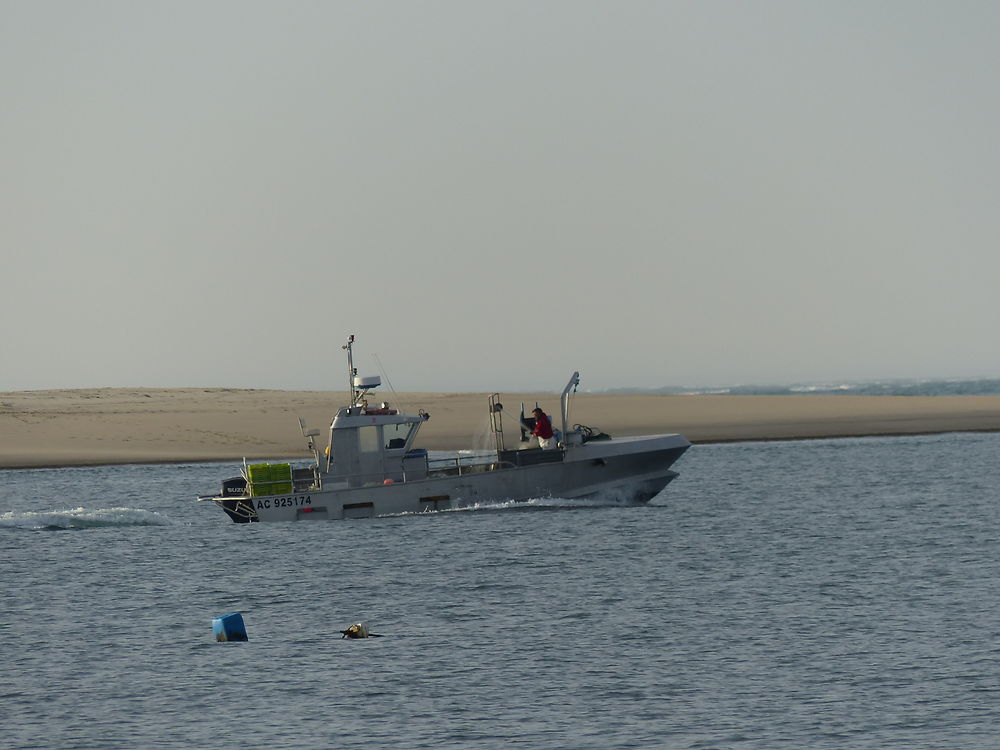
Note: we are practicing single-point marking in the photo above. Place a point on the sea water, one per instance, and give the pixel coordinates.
(813, 594)
(890, 387)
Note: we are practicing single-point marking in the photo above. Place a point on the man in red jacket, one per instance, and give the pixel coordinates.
(543, 429)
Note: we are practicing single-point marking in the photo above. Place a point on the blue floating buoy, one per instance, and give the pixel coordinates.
(229, 627)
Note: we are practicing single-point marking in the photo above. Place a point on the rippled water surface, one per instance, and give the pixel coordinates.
(821, 594)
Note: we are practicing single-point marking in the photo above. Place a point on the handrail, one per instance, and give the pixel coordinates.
(454, 465)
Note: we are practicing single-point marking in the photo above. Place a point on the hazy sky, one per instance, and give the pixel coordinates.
(493, 194)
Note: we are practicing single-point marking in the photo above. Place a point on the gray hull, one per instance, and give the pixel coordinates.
(627, 470)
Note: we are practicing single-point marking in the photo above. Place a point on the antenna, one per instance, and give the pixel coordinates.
(385, 375)
(351, 369)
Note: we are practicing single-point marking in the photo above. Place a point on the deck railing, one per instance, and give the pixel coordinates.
(305, 479)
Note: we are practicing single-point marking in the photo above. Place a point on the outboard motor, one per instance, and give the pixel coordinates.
(234, 487)
(239, 508)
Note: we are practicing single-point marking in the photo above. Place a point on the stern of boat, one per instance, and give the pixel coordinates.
(234, 499)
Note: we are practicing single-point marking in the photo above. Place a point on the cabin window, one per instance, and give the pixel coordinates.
(396, 435)
(368, 439)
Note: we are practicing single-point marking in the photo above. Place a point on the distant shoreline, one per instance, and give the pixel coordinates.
(87, 427)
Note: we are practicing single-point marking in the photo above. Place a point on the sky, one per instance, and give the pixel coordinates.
(491, 195)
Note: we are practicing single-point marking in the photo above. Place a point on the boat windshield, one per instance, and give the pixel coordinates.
(395, 436)
(373, 438)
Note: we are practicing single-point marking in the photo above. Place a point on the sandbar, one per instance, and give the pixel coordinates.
(76, 427)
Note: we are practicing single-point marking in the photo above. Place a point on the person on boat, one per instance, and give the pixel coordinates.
(543, 429)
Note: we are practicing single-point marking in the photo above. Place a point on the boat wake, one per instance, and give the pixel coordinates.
(557, 503)
(80, 518)
(604, 500)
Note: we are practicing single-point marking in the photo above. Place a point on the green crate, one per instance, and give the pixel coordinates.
(269, 479)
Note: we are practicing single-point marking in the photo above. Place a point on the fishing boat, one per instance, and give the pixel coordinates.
(371, 466)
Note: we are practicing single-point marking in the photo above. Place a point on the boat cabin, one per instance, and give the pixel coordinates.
(373, 446)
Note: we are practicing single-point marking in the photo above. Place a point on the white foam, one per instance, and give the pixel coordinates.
(81, 518)
(609, 498)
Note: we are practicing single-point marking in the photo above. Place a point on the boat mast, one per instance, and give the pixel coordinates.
(351, 370)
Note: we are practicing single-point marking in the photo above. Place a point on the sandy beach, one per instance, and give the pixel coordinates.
(151, 425)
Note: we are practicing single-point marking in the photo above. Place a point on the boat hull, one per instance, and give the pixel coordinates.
(623, 470)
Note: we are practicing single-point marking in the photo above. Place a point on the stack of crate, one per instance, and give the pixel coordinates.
(269, 479)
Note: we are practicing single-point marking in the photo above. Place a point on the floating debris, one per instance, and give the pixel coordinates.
(359, 630)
